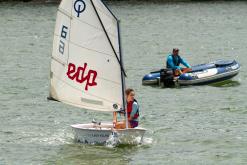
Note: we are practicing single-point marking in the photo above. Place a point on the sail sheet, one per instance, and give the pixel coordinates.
(85, 65)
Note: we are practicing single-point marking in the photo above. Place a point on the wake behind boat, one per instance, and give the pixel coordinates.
(216, 71)
(87, 69)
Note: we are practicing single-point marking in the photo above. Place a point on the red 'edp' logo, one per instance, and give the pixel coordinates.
(79, 75)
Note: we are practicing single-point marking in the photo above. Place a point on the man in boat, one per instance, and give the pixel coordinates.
(132, 108)
(174, 60)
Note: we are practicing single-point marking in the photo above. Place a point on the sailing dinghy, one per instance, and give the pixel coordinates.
(87, 69)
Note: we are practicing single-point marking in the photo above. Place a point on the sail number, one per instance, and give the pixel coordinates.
(78, 74)
(63, 35)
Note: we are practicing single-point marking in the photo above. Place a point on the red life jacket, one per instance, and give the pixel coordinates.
(129, 109)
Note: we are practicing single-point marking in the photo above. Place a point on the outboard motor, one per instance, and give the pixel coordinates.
(166, 77)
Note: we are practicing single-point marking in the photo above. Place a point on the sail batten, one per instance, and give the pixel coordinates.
(65, 13)
(87, 48)
(86, 66)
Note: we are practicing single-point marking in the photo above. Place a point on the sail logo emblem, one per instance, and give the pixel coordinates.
(78, 74)
(79, 7)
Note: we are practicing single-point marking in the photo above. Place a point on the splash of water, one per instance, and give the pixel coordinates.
(113, 140)
(117, 140)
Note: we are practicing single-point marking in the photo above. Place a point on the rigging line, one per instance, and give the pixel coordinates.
(109, 101)
(73, 17)
(122, 69)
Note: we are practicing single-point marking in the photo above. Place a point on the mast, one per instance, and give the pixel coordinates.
(122, 76)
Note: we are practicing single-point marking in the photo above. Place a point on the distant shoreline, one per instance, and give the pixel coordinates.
(57, 1)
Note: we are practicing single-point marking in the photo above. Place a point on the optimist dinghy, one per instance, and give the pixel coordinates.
(87, 69)
(219, 70)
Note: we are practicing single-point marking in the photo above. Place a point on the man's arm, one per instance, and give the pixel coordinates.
(185, 63)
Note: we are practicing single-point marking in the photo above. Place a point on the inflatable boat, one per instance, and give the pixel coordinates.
(216, 71)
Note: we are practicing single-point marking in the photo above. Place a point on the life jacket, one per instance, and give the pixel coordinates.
(129, 109)
(176, 63)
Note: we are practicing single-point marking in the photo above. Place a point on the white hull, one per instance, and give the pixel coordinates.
(100, 134)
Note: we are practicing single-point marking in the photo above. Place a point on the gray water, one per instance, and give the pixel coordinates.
(189, 125)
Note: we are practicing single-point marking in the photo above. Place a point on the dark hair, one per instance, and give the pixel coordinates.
(128, 91)
(175, 50)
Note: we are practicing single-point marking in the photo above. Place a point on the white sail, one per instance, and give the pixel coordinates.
(85, 66)
(110, 23)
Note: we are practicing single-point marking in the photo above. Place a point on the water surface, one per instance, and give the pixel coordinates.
(190, 125)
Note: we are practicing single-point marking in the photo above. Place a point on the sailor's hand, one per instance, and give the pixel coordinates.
(121, 111)
(180, 72)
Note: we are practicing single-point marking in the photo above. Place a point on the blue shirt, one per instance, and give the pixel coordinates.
(170, 62)
(135, 108)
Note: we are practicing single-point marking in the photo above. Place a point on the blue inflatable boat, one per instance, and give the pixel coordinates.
(199, 74)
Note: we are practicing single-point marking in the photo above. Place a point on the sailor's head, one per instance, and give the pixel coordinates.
(130, 94)
(175, 51)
